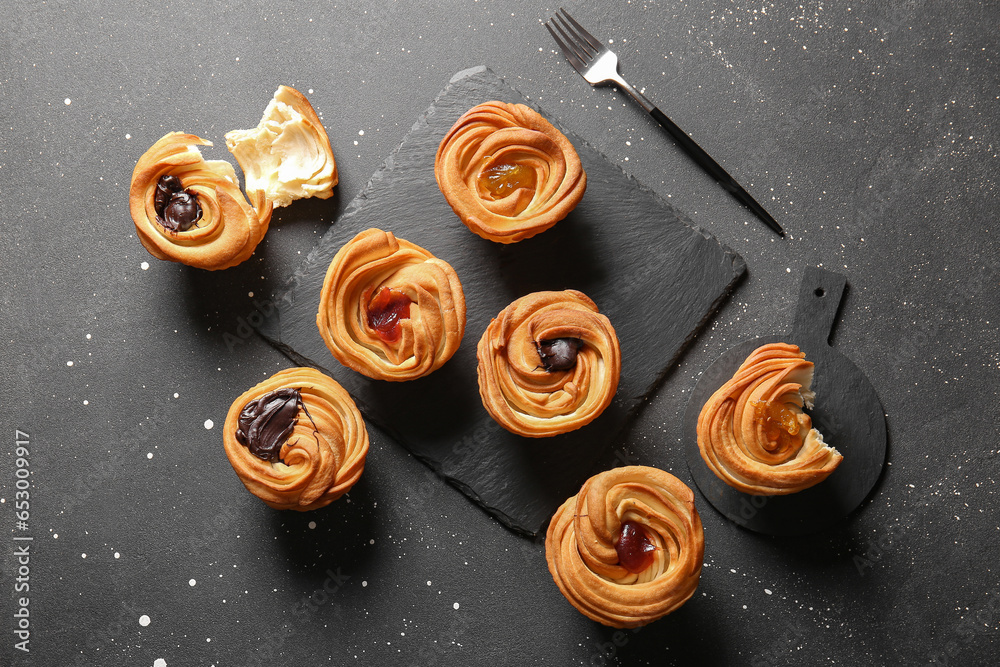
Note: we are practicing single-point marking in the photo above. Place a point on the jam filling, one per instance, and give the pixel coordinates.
(559, 354)
(385, 309)
(502, 178)
(177, 209)
(781, 425)
(635, 549)
(265, 423)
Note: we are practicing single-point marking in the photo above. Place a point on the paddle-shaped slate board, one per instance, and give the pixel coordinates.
(656, 276)
(847, 412)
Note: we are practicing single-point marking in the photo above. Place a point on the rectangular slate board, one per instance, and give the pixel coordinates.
(656, 276)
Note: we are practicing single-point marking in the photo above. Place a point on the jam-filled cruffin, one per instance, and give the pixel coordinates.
(752, 432)
(507, 172)
(628, 548)
(390, 309)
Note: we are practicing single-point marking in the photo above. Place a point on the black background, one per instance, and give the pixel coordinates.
(866, 129)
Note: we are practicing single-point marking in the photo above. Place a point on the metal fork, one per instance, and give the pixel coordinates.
(599, 64)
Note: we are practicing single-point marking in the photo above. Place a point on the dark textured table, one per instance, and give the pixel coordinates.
(867, 130)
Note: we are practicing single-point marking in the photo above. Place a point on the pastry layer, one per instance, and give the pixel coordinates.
(288, 155)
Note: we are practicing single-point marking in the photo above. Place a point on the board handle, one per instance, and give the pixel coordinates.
(819, 300)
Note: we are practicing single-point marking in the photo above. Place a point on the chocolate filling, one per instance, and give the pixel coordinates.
(177, 209)
(265, 423)
(559, 354)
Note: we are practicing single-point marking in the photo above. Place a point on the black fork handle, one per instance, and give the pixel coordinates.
(705, 161)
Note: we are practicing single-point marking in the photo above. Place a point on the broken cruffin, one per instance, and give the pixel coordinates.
(288, 155)
(227, 228)
(190, 210)
(752, 432)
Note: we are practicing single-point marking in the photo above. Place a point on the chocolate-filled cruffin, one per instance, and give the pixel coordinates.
(190, 210)
(507, 172)
(390, 309)
(752, 432)
(549, 363)
(628, 548)
(296, 440)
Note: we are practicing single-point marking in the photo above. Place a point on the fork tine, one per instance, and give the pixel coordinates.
(582, 32)
(567, 50)
(579, 48)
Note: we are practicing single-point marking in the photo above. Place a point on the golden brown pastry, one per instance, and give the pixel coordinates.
(627, 549)
(548, 363)
(296, 440)
(390, 309)
(288, 155)
(507, 172)
(752, 432)
(190, 210)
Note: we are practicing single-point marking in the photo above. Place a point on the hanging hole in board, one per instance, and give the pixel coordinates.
(820, 291)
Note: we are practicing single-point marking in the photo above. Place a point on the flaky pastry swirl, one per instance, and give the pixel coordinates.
(520, 391)
(507, 172)
(389, 309)
(321, 458)
(752, 432)
(584, 538)
(228, 229)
